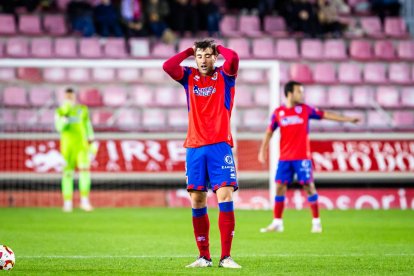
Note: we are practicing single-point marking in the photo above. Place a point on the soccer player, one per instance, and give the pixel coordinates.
(293, 121)
(76, 136)
(209, 158)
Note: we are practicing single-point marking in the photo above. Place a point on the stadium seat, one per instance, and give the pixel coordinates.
(243, 96)
(312, 49)
(14, 96)
(255, 119)
(358, 114)
(154, 118)
(261, 96)
(17, 47)
(54, 75)
(127, 119)
(90, 97)
(363, 96)
(41, 96)
(376, 120)
(371, 25)
(7, 74)
(7, 118)
(142, 95)
(287, 49)
(90, 48)
(115, 48)
(46, 118)
(2, 51)
(403, 119)
(153, 74)
(178, 118)
(7, 25)
(375, 73)
(102, 119)
(395, 27)
(388, 96)
(240, 45)
(229, 26)
(339, 96)
(284, 72)
(335, 49)
(114, 96)
(30, 24)
(78, 75)
(275, 26)
(399, 73)
(62, 4)
(103, 74)
(166, 96)
(54, 24)
(26, 118)
(384, 49)
(139, 47)
(162, 50)
(301, 72)
(361, 50)
(263, 48)
(252, 75)
(128, 74)
(41, 48)
(349, 73)
(65, 48)
(407, 97)
(249, 25)
(315, 95)
(324, 73)
(185, 43)
(405, 50)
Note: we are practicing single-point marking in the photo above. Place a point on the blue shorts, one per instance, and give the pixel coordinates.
(287, 169)
(210, 166)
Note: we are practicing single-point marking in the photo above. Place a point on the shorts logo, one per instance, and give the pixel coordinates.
(228, 159)
(305, 163)
(298, 109)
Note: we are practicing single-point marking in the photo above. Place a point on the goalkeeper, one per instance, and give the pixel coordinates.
(76, 134)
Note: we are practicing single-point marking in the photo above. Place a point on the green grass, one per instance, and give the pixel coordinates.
(160, 242)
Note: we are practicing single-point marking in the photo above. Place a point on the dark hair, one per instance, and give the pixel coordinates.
(69, 90)
(206, 43)
(290, 86)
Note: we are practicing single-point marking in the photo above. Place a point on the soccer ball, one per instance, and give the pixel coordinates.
(6, 258)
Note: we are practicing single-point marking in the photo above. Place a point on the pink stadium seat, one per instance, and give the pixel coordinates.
(229, 26)
(407, 97)
(78, 75)
(90, 48)
(103, 74)
(90, 97)
(163, 50)
(17, 47)
(65, 47)
(315, 95)
(255, 119)
(114, 96)
(395, 27)
(7, 74)
(376, 120)
(399, 73)
(263, 48)
(335, 49)
(403, 119)
(128, 74)
(41, 47)
(153, 74)
(243, 97)
(154, 118)
(62, 4)
(7, 118)
(284, 73)
(249, 25)
(178, 118)
(312, 49)
(388, 96)
(139, 47)
(275, 26)
(252, 75)
(357, 114)
(349, 73)
(301, 73)
(363, 96)
(361, 50)
(2, 51)
(41, 96)
(405, 50)
(102, 118)
(54, 74)
(324, 73)
(30, 24)
(26, 117)
(115, 48)
(185, 43)
(55, 24)
(14, 96)
(128, 118)
(261, 96)
(29, 74)
(339, 96)
(240, 45)
(166, 96)
(384, 49)
(372, 26)
(7, 25)
(375, 73)
(143, 96)
(46, 117)
(287, 49)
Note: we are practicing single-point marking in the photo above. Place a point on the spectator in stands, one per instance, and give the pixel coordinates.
(301, 16)
(107, 19)
(340, 6)
(133, 17)
(328, 19)
(185, 16)
(80, 15)
(385, 8)
(265, 7)
(156, 12)
(210, 16)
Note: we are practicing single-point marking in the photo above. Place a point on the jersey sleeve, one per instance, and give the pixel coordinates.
(88, 125)
(229, 80)
(184, 80)
(274, 124)
(60, 121)
(314, 113)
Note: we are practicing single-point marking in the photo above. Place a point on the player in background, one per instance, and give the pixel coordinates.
(209, 159)
(76, 136)
(293, 121)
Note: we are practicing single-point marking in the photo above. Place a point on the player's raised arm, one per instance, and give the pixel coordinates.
(172, 65)
(231, 63)
(339, 118)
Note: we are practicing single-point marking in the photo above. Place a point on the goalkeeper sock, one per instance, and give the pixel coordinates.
(84, 183)
(279, 206)
(226, 226)
(313, 201)
(67, 185)
(201, 225)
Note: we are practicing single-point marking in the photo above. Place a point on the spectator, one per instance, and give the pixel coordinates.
(210, 16)
(80, 15)
(385, 8)
(133, 17)
(185, 17)
(328, 19)
(156, 12)
(265, 7)
(301, 16)
(107, 19)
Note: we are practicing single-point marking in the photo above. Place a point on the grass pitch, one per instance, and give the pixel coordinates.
(160, 242)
